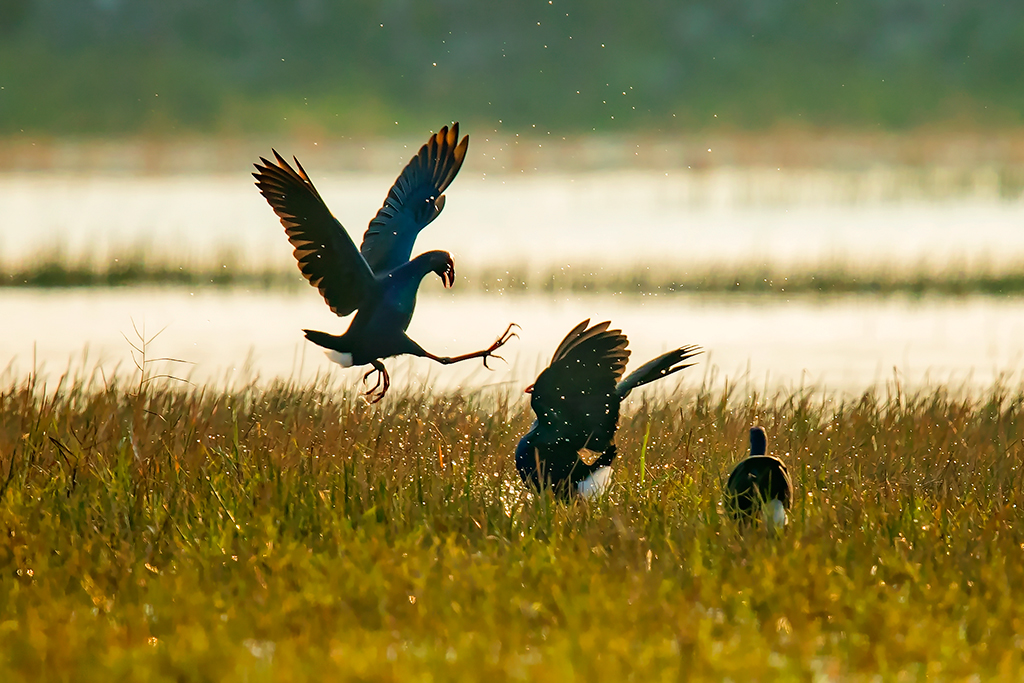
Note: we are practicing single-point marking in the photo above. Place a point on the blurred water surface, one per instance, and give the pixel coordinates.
(617, 219)
(234, 336)
(614, 219)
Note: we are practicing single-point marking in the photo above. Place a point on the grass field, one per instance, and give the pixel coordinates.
(156, 531)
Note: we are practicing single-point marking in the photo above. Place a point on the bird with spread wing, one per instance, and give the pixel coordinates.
(378, 281)
(576, 399)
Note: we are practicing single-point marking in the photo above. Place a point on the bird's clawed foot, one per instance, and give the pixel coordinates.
(447, 272)
(505, 337)
(485, 354)
(383, 382)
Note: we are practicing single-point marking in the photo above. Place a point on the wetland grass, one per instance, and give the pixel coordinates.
(137, 267)
(155, 531)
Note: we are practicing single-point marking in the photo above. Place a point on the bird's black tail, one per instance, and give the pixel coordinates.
(662, 366)
(328, 341)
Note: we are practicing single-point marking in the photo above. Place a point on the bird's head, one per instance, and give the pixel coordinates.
(758, 441)
(444, 265)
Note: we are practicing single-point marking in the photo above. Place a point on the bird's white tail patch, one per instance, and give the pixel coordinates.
(775, 513)
(596, 484)
(342, 359)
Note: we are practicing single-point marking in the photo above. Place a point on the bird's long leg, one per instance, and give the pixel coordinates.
(505, 337)
(382, 379)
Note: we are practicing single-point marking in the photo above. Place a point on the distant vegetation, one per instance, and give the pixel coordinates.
(154, 531)
(147, 67)
(136, 269)
(757, 279)
(760, 280)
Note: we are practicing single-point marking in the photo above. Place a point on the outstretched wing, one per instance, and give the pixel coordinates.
(574, 397)
(662, 366)
(414, 200)
(327, 256)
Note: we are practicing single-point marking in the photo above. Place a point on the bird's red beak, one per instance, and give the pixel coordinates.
(528, 390)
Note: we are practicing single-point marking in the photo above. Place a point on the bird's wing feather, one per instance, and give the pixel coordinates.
(662, 366)
(765, 472)
(575, 395)
(326, 254)
(414, 200)
(573, 337)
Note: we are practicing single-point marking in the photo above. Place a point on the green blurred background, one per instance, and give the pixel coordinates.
(101, 68)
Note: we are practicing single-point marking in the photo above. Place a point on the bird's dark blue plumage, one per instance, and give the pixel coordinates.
(576, 401)
(759, 482)
(378, 282)
(414, 200)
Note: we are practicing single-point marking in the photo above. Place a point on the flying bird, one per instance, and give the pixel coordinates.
(760, 483)
(378, 281)
(576, 400)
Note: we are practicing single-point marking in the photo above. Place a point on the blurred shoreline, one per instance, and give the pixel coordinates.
(139, 268)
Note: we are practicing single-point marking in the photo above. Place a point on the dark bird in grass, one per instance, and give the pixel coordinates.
(760, 483)
(378, 281)
(576, 399)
